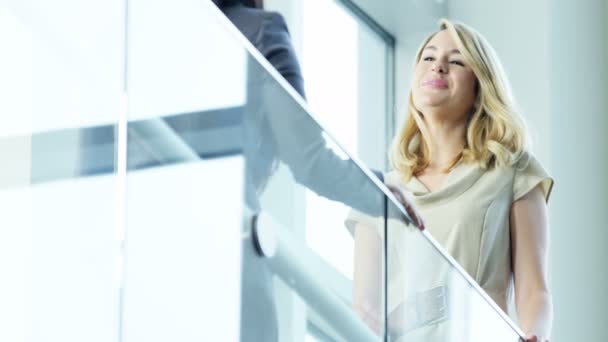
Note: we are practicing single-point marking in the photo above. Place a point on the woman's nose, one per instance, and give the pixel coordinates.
(439, 67)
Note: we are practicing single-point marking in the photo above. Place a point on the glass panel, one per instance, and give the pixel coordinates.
(287, 140)
(431, 298)
(346, 90)
(221, 154)
(62, 86)
(199, 105)
(185, 175)
(182, 278)
(334, 99)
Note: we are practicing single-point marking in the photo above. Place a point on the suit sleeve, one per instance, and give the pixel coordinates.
(296, 138)
(274, 43)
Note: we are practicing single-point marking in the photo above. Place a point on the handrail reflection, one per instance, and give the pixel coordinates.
(287, 259)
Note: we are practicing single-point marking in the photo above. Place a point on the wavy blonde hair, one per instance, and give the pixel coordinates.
(496, 135)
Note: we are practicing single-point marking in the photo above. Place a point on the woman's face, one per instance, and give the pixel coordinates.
(443, 83)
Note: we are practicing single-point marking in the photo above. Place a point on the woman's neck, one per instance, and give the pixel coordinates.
(446, 142)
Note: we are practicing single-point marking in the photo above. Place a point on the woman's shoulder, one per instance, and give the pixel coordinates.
(527, 160)
(529, 173)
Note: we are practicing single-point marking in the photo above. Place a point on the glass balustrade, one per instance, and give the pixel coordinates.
(157, 185)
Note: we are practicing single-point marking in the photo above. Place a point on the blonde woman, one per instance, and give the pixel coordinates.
(462, 156)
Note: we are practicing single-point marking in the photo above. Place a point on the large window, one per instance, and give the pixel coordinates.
(347, 67)
(346, 61)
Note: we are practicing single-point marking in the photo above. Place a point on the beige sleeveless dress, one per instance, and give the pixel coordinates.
(469, 218)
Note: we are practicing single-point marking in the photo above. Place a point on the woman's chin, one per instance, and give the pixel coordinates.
(431, 106)
(430, 101)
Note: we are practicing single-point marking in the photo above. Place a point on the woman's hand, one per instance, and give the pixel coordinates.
(407, 203)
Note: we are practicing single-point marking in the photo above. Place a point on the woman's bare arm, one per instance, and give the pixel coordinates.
(529, 243)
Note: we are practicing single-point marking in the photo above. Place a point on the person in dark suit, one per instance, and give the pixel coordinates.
(277, 128)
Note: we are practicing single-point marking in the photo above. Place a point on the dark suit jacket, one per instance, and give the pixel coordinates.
(268, 32)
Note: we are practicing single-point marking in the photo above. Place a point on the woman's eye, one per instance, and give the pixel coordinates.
(428, 59)
(457, 63)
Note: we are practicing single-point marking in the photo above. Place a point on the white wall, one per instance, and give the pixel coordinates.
(578, 78)
(518, 30)
(554, 54)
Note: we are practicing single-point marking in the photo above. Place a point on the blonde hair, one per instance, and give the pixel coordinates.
(496, 135)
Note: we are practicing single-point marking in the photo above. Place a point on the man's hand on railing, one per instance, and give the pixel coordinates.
(408, 204)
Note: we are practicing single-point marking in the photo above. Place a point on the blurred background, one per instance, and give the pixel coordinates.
(64, 70)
